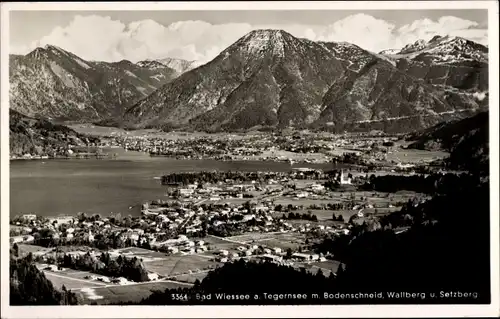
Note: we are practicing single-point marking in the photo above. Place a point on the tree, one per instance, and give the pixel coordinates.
(82, 217)
(15, 249)
(289, 253)
(320, 274)
(340, 271)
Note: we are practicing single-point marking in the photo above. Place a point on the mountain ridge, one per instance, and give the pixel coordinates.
(266, 78)
(285, 97)
(56, 84)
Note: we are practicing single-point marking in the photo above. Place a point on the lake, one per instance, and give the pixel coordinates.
(53, 187)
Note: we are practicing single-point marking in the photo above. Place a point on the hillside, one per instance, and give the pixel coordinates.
(268, 78)
(30, 287)
(466, 140)
(55, 84)
(456, 65)
(40, 137)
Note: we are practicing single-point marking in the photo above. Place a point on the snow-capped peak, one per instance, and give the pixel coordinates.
(390, 51)
(264, 40)
(179, 65)
(413, 47)
(151, 64)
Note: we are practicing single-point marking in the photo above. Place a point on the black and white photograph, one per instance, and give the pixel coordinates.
(322, 155)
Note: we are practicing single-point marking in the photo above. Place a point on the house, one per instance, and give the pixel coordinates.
(271, 258)
(29, 216)
(277, 250)
(262, 208)
(248, 217)
(317, 187)
(172, 249)
(343, 180)
(224, 252)
(16, 239)
(90, 236)
(52, 268)
(153, 276)
(120, 281)
(133, 236)
(186, 192)
(300, 256)
(104, 279)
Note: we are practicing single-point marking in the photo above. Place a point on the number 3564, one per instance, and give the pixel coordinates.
(181, 297)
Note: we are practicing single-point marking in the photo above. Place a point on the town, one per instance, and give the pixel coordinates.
(207, 219)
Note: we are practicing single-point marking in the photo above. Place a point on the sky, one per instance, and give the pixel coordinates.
(201, 35)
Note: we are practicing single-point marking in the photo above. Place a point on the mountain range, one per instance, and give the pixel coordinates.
(53, 83)
(267, 78)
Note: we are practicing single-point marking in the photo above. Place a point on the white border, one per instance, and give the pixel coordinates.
(253, 311)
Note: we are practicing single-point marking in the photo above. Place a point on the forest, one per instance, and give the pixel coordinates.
(29, 286)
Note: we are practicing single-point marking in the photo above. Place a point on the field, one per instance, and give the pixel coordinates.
(173, 265)
(284, 241)
(125, 293)
(216, 243)
(144, 254)
(301, 201)
(70, 281)
(191, 278)
(249, 238)
(280, 240)
(406, 156)
(331, 265)
(35, 250)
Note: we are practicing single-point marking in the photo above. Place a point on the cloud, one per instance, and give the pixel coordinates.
(447, 25)
(97, 37)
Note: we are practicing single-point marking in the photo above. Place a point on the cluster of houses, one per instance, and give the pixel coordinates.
(275, 255)
(227, 147)
(182, 245)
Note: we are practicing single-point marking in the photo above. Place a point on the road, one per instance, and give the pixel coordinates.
(75, 279)
(228, 240)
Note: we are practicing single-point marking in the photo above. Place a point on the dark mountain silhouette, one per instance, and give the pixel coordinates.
(40, 137)
(467, 141)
